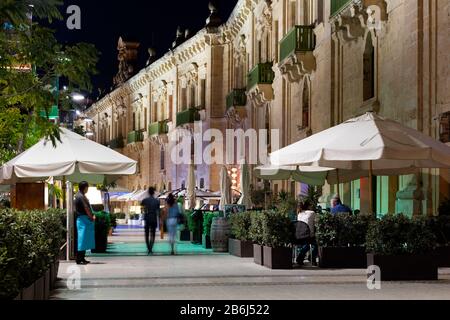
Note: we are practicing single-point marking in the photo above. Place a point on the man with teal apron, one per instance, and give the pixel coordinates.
(85, 223)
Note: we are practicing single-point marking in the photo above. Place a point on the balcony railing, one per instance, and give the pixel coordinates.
(262, 73)
(158, 128)
(299, 39)
(187, 116)
(236, 98)
(338, 5)
(135, 136)
(116, 143)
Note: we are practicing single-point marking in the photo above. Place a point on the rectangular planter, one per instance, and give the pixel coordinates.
(404, 267)
(39, 289)
(342, 257)
(206, 241)
(241, 249)
(185, 235)
(47, 285)
(54, 274)
(442, 256)
(28, 293)
(278, 258)
(258, 254)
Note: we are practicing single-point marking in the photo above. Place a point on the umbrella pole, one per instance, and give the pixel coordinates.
(338, 183)
(371, 187)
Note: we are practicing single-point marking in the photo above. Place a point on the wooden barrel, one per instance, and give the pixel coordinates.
(220, 231)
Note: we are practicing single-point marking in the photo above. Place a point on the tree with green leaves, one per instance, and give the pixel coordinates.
(31, 60)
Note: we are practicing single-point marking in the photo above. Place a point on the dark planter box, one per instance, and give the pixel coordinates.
(185, 235)
(39, 289)
(258, 254)
(196, 238)
(442, 256)
(241, 249)
(404, 267)
(54, 274)
(101, 238)
(47, 285)
(278, 258)
(206, 241)
(19, 296)
(28, 293)
(343, 257)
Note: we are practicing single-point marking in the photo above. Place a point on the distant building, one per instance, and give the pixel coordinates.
(298, 66)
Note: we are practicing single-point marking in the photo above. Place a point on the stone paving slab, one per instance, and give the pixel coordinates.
(230, 278)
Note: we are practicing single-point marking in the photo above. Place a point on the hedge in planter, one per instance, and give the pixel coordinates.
(402, 248)
(30, 244)
(195, 224)
(256, 236)
(440, 227)
(278, 235)
(341, 239)
(240, 243)
(102, 225)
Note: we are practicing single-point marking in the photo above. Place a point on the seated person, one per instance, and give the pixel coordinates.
(306, 233)
(337, 206)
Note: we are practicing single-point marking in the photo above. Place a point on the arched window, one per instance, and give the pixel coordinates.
(369, 69)
(183, 185)
(202, 183)
(134, 121)
(305, 105)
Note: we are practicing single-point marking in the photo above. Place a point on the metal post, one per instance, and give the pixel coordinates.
(371, 187)
(70, 249)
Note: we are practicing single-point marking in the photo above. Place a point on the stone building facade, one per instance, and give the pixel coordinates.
(299, 66)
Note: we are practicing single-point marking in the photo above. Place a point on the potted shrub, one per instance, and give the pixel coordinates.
(441, 229)
(278, 233)
(207, 221)
(402, 248)
(240, 244)
(102, 226)
(195, 224)
(113, 223)
(185, 234)
(341, 239)
(256, 236)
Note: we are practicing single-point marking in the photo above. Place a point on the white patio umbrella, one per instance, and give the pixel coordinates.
(74, 158)
(190, 188)
(367, 143)
(245, 187)
(225, 188)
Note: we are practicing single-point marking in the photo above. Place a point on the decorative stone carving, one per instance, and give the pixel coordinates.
(354, 20)
(261, 94)
(127, 55)
(236, 115)
(297, 65)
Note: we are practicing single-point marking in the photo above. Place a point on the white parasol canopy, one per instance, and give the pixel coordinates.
(225, 188)
(190, 188)
(245, 187)
(370, 138)
(74, 157)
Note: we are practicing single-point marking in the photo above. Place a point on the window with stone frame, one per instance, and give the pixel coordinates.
(306, 105)
(444, 127)
(202, 183)
(162, 159)
(369, 69)
(170, 108)
(134, 121)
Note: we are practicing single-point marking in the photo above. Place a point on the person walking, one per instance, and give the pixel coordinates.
(173, 213)
(85, 223)
(150, 206)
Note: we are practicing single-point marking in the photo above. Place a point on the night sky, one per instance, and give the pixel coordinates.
(153, 23)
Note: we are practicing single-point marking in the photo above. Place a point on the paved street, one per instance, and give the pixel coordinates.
(205, 276)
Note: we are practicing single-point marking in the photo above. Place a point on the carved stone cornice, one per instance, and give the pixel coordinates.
(236, 115)
(261, 94)
(297, 65)
(359, 16)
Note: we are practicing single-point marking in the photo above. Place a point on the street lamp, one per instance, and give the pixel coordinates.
(77, 97)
